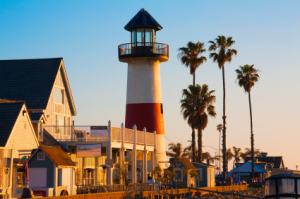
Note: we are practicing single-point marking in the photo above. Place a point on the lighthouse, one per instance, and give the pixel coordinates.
(144, 107)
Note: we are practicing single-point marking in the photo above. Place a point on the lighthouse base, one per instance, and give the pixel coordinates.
(161, 151)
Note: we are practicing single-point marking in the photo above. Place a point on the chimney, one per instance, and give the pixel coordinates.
(264, 155)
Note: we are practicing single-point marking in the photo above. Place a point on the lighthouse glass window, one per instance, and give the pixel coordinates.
(140, 37)
(148, 37)
(133, 37)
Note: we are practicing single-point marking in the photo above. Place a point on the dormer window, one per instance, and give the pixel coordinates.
(58, 95)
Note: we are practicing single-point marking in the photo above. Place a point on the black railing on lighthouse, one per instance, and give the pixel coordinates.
(141, 49)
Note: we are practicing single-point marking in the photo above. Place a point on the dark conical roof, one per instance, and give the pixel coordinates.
(143, 20)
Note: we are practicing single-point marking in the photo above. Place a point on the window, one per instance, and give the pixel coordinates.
(286, 186)
(133, 37)
(60, 124)
(199, 171)
(140, 37)
(58, 96)
(177, 162)
(270, 188)
(148, 37)
(179, 174)
(40, 156)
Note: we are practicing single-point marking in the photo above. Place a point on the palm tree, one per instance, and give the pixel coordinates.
(175, 150)
(247, 76)
(229, 156)
(236, 155)
(206, 156)
(196, 106)
(247, 152)
(189, 56)
(219, 128)
(224, 55)
(188, 152)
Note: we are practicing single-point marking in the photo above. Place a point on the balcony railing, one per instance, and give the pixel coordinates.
(85, 134)
(150, 49)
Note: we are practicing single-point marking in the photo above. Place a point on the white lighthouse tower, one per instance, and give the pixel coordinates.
(144, 106)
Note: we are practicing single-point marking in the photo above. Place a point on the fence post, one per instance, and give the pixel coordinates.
(122, 159)
(145, 156)
(109, 154)
(133, 170)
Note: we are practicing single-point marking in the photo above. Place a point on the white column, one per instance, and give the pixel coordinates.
(96, 171)
(122, 159)
(155, 162)
(145, 156)
(109, 154)
(133, 167)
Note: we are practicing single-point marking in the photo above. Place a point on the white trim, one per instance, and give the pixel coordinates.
(59, 87)
(72, 105)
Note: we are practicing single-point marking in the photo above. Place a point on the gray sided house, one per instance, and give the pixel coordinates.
(206, 175)
(179, 165)
(44, 86)
(51, 172)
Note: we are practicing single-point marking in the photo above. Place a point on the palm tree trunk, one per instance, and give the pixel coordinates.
(224, 130)
(219, 152)
(194, 77)
(199, 145)
(252, 137)
(194, 145)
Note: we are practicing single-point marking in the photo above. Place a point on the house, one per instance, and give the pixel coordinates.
(206, 175)
(276, 161)
(17, 140)
(51, 172)
(181, 164)
(245, 170)
(43, 84)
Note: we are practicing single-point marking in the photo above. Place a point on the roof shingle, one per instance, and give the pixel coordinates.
(28, 79)
(142, 20)
(9, 112)
(58, 156)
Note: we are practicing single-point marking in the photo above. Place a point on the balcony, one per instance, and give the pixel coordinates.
(158, 51)
(85, 134)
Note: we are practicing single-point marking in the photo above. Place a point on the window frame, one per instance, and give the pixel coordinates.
(178, 169)
(200, 173)
(62, 94)
(37, 155)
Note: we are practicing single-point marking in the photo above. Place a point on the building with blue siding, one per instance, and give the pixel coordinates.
(206, 175)
(51, 172)
(181, 164)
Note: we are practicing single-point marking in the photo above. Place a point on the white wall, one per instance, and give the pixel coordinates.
(66, 179)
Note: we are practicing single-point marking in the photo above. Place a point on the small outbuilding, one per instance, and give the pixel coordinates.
(206, 175)
(51, 172)
(182, 168)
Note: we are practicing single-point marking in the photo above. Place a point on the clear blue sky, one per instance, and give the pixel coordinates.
(87, 33)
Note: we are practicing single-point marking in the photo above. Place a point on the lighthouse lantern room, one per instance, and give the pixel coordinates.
(144, 106)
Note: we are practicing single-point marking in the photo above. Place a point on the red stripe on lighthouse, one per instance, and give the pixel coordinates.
(149, 115)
